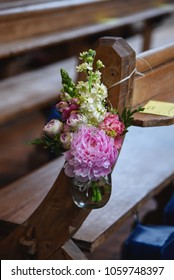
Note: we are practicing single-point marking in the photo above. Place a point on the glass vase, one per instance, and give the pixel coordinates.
(91, 194)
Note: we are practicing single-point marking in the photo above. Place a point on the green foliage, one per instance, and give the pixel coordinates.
(127, 116)
(53, 144)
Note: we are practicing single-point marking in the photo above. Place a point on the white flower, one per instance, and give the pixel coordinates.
(75, 121)
(83, 67)
(53, 127)
(92, 103)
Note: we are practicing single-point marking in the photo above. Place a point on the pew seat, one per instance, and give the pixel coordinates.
(139, 175)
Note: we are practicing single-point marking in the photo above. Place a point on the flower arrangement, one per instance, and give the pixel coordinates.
(87, 130)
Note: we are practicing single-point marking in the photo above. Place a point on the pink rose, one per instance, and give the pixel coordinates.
(91, 156)
(65, 139)
(53, 127)
(118, 142)
(112, 125)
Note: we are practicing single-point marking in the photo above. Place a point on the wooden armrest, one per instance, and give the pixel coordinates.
(142, 119)
(157, 83)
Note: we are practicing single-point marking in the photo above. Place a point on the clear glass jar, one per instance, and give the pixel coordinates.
(91, 194)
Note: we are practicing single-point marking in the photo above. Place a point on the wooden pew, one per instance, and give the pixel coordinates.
(86, 34)
(81, 31)
(77, 14)
(54, 44)
(138, 175)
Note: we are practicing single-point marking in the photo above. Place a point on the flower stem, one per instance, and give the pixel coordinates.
(96, 194)
(90, 80)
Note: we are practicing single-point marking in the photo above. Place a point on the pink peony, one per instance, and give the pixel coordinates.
(92, 154)
(112, 125)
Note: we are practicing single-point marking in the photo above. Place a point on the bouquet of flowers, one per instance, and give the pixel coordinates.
(87, 129)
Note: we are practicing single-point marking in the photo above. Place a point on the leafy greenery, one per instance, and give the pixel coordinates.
(127, 116)
(51, 143)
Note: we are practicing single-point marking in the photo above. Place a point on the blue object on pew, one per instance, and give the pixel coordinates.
(168, 214)
(53, 114)
(150, 243)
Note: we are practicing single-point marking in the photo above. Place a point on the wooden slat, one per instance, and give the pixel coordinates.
(28, 192)
(156, 83)
(72, 251)
(149, 60)
(157, 66)
(21, 3)
(22, 45)
(149, 120)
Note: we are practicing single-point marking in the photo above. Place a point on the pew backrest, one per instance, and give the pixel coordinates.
(155, 82)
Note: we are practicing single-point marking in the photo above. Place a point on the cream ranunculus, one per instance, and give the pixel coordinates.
(53, 127)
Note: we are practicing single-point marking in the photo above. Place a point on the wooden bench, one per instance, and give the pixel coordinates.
(138, 175)
(80, 31)
(85, 34)
(77, 13)
(24, 94)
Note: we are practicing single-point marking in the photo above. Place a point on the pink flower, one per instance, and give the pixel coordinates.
(53, 127)
(112, 125)
(118, 142)
(67, 107)
(75, 121)
(91, 156)
(65, 139)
